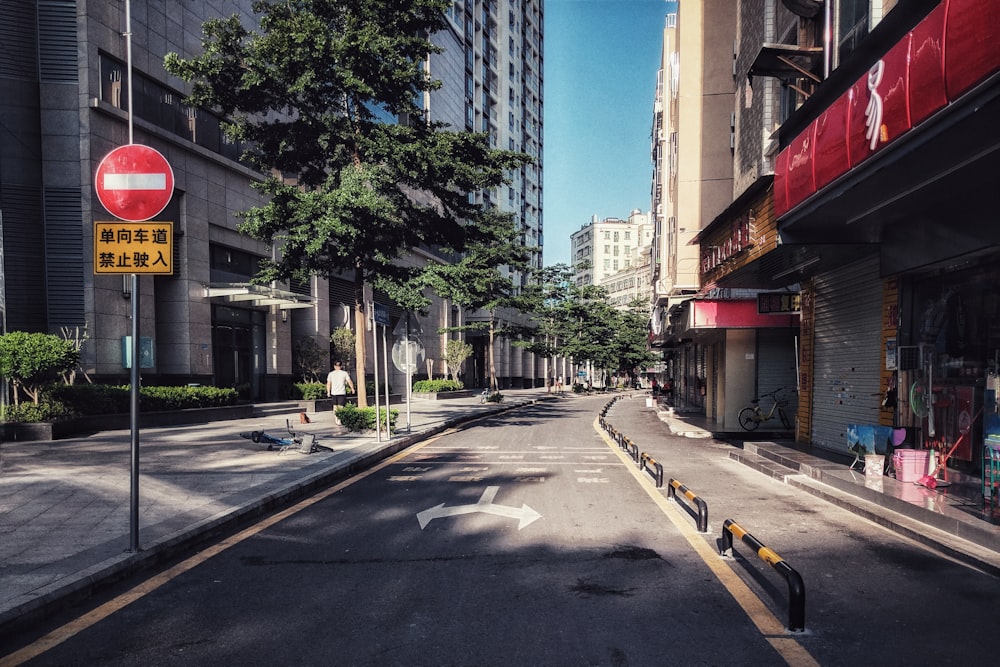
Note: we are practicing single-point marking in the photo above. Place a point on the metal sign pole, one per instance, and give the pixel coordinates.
(409, 372)
(385, 369)
(134, 371)
(378, 419)
(134, 419)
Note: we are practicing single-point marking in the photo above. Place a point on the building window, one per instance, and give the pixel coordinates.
(852, 26)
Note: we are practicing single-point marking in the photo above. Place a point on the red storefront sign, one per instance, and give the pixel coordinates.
(710, 314)
(953, 48)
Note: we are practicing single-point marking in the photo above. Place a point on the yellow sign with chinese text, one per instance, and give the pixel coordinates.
(134, 247)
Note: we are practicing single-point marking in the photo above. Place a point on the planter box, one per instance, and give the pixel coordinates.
(69, 428)
(443, 395)
(326, 404)
(317, 405)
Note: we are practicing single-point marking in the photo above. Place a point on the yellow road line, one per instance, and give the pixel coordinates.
(78, 625)
(769, 626)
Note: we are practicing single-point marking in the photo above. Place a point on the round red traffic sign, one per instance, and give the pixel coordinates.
(134, 182)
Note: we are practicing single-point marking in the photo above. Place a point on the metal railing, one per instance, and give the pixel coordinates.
(796, 587)
(673, 486)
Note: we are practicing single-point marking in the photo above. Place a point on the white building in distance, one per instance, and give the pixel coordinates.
(609, 246)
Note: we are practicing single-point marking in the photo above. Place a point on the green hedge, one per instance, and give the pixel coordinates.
(436, 386)
(363, 419)
(309, 391)
(62, 401)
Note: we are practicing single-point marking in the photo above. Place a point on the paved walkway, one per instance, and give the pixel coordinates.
(65, 506)
(951, 518)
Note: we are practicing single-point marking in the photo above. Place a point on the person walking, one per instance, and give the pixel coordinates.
(337, 382)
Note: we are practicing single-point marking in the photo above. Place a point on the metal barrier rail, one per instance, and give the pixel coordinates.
(656, 472)
(632, 449)
(796, 588)
(673, 486)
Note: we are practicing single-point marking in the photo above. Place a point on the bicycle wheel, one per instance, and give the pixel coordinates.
(784, 419)
(748, 419)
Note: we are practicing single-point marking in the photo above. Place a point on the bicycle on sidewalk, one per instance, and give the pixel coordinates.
(752, 416)
(304, 443)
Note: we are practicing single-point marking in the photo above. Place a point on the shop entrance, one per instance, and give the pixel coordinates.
(238, 344)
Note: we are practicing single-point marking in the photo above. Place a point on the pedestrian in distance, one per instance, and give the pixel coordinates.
(337, 382)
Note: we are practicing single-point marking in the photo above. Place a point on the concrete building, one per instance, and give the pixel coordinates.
(64, 108)
(608, 245)
(877, 123)
(693, 170)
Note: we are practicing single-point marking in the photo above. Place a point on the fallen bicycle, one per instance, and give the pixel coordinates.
(304, 443)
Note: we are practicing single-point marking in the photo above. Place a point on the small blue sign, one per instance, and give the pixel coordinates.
(381, 314)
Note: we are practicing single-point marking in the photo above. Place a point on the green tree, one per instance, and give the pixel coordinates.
(342, 346)
(480, 281)
(630, 345)
(325, 93)
(30, 360)
(310, 359)
(455, 354)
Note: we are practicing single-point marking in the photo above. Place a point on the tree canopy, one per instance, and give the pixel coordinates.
(480, 280)
(324, 94)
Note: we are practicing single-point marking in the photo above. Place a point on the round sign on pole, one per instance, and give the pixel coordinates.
(134, 182)
(407, 354)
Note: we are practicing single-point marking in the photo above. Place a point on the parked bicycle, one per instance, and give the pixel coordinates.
(751, 417)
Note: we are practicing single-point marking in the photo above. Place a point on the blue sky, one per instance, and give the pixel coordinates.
(601, 58)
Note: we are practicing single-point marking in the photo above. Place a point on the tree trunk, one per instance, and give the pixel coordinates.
(360, 317)
(492, 357)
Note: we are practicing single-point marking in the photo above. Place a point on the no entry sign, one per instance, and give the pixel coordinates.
(134, 182)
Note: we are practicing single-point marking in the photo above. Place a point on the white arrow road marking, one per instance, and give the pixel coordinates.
(525, 515)
(135, 181)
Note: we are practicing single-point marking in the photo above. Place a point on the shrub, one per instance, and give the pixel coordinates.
(370, 388)
(494, 397)
(180, 398)
(31, 360)
(310, 391)
(29, 413)
(63, 401)
(91, 399)
(363, 419)
(432, 386)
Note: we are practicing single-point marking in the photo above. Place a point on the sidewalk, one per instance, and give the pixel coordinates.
(65, 505)
(950, 518)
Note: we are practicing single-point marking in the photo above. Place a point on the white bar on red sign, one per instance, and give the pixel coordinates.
(135, 181)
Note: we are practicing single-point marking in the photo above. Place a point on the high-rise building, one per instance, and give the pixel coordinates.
(65, 81)
(692, 152)
(491, 70)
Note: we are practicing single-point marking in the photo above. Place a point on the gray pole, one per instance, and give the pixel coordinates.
(134, 373)
(134, 419)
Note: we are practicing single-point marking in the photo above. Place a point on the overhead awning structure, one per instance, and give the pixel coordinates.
(257, 295)
(787, 62)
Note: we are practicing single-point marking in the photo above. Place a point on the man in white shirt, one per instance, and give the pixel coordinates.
(337, 382)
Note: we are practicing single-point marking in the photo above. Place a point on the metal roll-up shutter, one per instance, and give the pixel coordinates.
(776, 364)
(847, 352)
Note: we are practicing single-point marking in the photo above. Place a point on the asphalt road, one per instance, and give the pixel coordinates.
(530, 539)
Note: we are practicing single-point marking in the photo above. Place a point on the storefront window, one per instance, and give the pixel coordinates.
(952, 338)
